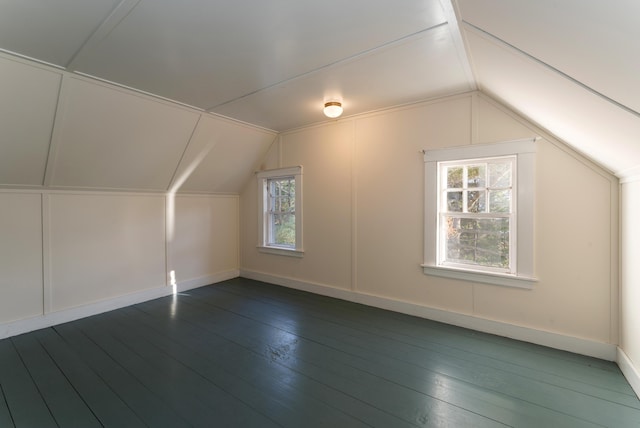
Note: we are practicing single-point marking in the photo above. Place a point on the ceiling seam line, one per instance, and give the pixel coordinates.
(115, 17)
(333, 64)
(552, 68)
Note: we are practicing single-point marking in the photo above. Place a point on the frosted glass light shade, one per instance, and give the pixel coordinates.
(333, 109)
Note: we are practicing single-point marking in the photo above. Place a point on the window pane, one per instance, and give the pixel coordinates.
(476, 176)
(500, 201)
(282, 192)
(478, 241)
(454, 202)
(476, 201)
(500, 175)
(281, 210)
(283, 230)
(454, 177)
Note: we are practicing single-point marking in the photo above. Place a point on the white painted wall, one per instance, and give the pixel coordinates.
(103, 246)
(28, 99)
(69, 248)
(20, 256)
(116, 139)
(64, 255)
(363, 225)
(203, 241)
(630, 281)
(327, 236)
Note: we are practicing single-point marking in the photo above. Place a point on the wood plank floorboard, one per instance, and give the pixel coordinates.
(152, 410)
(450, 345)
(248, 354)
(5, 415)
(278, 346)
(23, 399)
(65, 405)
(360, 358)
(241, 371)
(554, 365)
(479, 345)
(105, 403)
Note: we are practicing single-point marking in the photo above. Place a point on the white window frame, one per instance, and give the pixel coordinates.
(522, 244)
(263, 214)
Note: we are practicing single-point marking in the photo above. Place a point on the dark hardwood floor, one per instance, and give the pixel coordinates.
(248, 354)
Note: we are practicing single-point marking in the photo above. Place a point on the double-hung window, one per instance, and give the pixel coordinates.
(476, 214)
(479, 213)
(280, 210)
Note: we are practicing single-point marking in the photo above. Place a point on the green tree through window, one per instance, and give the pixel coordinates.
(282, 211)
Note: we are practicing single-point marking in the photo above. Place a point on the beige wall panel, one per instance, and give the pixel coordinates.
(630, 277)
(110, 138)
(249, 255)
(104, 246)
(573, 219)
(205, 237)
(221, 156)
(390, 195)
(494, 125)
(20, 256)
(272, 159)
(573, 230)
(28, 99)
(325, 154)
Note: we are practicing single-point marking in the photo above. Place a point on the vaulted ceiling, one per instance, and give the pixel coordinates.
(572, 67)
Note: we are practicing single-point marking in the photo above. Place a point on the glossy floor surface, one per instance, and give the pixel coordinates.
(247, 354)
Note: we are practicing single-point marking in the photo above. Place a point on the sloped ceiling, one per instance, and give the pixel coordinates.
(572, 66)
(569, 66)
(271, 63)
(63, 131)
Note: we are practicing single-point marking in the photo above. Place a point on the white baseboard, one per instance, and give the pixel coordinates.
(563, 342)
(206, 280)
(629, 371)
(54, 318)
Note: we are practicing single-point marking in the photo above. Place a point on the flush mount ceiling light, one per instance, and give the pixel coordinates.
(333, 109)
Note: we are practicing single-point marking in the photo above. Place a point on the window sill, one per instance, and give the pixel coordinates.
(289, 252)
(483, 277)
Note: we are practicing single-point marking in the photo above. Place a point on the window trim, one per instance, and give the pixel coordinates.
(524, 150)
(263, 216)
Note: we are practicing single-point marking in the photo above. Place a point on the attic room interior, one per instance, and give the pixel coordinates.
(187, 240)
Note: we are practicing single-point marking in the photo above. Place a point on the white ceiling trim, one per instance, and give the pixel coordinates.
(138, 91)
(30, 60)
(454, 28)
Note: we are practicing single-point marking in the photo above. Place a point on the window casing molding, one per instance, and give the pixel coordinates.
(522, 272)
(264, 242)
